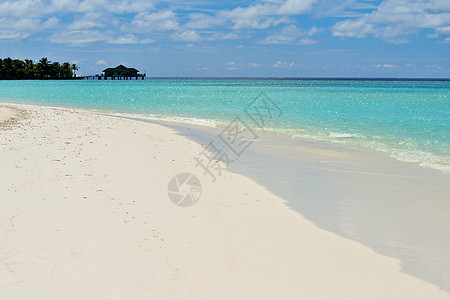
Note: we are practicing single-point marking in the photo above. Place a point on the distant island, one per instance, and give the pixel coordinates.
(28, 69)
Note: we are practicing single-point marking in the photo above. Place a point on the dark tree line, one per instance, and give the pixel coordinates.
(28, 69)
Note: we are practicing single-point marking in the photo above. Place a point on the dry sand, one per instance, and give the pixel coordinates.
(84, 213)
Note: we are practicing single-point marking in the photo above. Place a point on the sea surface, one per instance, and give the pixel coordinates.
(407, 119)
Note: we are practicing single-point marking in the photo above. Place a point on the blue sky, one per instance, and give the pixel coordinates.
(286, 38)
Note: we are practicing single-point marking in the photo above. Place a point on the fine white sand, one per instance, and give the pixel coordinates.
(84, 213)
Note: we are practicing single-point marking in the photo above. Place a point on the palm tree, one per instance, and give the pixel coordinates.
(26, 69)
(30, 68)
(19, 68)
(8, 67)
(44, 66)
(66, 70)
(74, 68)
(55, 69)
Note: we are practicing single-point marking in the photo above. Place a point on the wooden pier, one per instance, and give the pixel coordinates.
(104, 77)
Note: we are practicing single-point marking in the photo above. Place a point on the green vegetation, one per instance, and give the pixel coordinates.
(28, 69)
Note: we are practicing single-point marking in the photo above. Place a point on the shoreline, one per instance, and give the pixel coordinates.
(433, 158)
(243, 242)
(411, 202)
(287, 134)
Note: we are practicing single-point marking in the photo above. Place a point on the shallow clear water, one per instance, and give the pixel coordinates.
(409, 120)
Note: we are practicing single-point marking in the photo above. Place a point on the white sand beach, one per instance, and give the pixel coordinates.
(85, 214)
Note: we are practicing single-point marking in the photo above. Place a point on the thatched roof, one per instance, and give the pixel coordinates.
(120, 68)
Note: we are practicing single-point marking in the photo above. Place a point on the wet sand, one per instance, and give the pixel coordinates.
(85, 213)
(397, 208)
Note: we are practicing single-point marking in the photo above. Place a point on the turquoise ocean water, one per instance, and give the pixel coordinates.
(409, 120)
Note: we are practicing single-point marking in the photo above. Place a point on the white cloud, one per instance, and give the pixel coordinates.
(394, 20)
(287, 35)
(280, 64)
(147, 41)
(312, 31)
(254, 65)
(443, 32)
(101, 62)
(88, 21)
(25, 8)
(386, 66)
(223, 36)
(129, 39)
(254, 16)
(92, 6)
(186, 36)
(24, 24)
(157, 21)
(126, 39)
(291, 35)
(232, 65)
(101, 20)
(50, 23)
(12, 35)
(78, 37)
(343, 8)
(128, 6)
(19, 29)
(295, 7)
(260, 15)
(41, 8)
(95, 13)
(201, 21)
(433, 66)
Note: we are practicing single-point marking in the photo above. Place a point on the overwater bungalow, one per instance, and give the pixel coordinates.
(119, 73)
